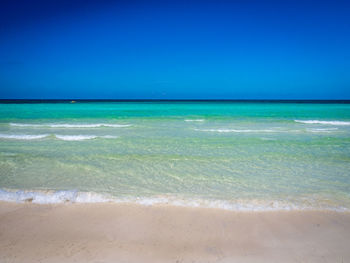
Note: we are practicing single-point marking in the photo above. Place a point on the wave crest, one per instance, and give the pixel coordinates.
(67, 125)
(74, 196)
(194, 120)
(323, 122)
(23, 136)
(57, 136)
(320, 130)
(235, 130)
(52, 197)
(82, 137)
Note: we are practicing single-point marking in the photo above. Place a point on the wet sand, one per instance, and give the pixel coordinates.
(134, 233)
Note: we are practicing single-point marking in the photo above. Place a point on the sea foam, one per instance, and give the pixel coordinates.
(235, 130)
(74, 196)
(320, 130)
(323, 122)
(57, 136)
(312, 130)
(51, 197)
(82, 137)
(68, 125)
(194, 120)
(23, 136)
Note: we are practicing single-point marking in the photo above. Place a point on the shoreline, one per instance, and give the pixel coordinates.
(46, 197)
(112, 232)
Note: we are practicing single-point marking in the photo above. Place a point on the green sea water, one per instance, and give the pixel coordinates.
(244, 156)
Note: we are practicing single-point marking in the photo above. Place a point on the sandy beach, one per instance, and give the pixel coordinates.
(134, 233)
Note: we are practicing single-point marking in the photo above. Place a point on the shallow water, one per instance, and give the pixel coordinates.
(254, 156)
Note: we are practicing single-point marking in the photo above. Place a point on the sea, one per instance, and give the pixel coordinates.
(234, 155)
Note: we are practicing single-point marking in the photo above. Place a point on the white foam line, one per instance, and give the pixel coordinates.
(73, 196)
(82, 137)
(194, 120)
(23, 136)
(51, 197)
(340, 123)
(89, 125)
(319, 130)
(235, 130)
(24, 125)
(324, 129)
(58, 136)
(75, 137)
(67, 125)
(313, 130)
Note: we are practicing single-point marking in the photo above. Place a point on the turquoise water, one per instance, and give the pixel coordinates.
(248, 156)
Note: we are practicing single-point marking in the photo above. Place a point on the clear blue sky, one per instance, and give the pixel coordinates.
(175, 49)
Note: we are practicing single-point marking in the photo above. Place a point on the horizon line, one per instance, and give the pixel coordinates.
(175, 100)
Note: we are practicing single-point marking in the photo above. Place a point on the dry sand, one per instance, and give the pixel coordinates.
(133, 233)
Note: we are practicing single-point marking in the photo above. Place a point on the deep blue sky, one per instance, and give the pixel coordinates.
(175, 49)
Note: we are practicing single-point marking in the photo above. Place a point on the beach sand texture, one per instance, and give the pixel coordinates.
(134, 233)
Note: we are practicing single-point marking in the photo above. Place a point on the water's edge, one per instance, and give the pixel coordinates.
(73, 196)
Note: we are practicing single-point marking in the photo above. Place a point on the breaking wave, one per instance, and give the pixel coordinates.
(73, 196)
(323, 122)
(23, 136)
(194, 120)
(51, 197)
(82, 137)
(57, 136)
(312, 130)
(235, 130)
(67, 125)
(320, 130)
